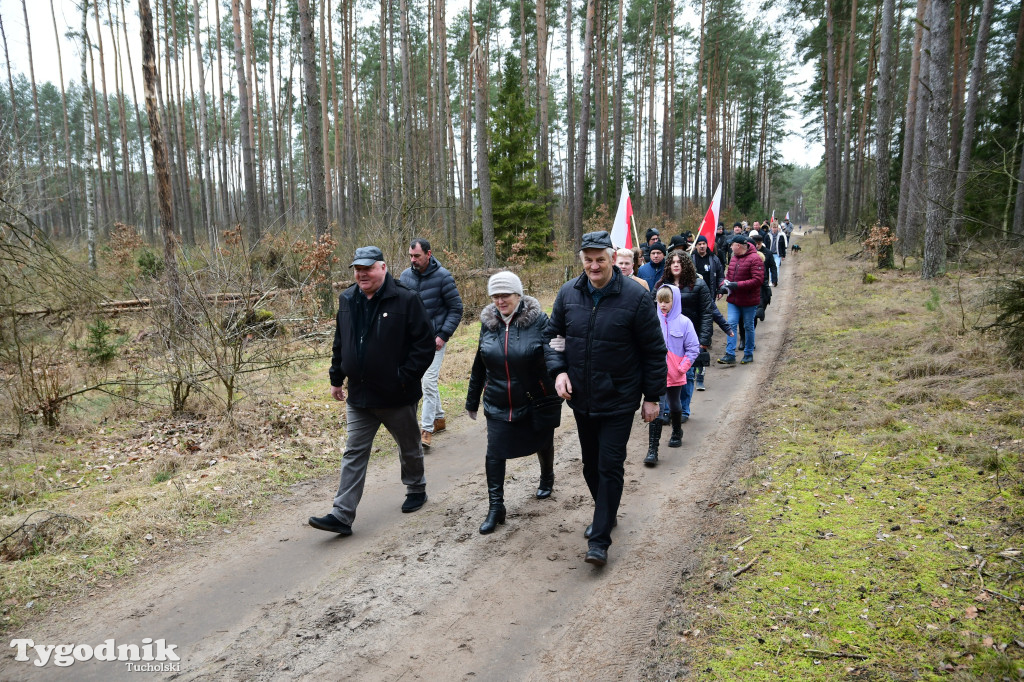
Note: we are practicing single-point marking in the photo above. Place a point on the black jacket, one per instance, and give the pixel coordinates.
(771, 271)
(614, 351)
(397, 347)
(722, 248)
(436, 287)
(710, 269)
(697, 302)
(509, 365)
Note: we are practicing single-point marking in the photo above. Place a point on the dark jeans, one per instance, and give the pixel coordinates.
(603, 446)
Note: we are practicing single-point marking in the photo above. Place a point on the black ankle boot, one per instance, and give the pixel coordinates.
(495, 516)
(677, 430)
(495, 469)
(547, 471)
(654, 438)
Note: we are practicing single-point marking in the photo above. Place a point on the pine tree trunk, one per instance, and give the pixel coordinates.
(211, 233)
(72, 225)
(122, 119)
(150, 218)
(87, 91)
(351, 175)
(334, 196)
(581, 156)
(913, 111)
(41, 144)
(936, 222)
(883, 118)
(408, 191)
(102, 181)
(384, 199)
(832, 199)
(163, 178)
(970, 116)
(275, 123)
(188, 231)
(315, 150)
(482, 164)
(222, 142)
(617, 105)
(255, 118)
(252, 217)
(323, 103)
(569, 180)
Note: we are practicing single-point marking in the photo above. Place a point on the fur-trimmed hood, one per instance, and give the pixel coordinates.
(526, 314)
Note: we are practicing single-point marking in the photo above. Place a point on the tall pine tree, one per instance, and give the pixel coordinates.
(519, 203)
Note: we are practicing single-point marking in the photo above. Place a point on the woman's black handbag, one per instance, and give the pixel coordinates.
(545, 412)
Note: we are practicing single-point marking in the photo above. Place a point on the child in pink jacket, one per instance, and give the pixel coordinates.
(683, 348)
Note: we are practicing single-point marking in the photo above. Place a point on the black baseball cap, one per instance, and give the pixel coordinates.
(367, 255)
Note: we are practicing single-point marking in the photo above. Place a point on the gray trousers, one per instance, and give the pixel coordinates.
(363, 424)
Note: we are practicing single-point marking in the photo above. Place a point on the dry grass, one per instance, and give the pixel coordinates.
(132, 485)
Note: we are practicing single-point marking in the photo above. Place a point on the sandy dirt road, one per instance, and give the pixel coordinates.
(423, 595)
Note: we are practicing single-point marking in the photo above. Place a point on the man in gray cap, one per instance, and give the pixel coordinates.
(614, 355)
(383, 344)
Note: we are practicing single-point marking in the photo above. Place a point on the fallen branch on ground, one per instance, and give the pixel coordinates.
(833, 654)
(743, 569)
(742, 542)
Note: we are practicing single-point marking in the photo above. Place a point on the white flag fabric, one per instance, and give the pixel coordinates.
(622, 233)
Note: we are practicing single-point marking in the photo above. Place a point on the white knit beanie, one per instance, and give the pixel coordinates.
(504, 282)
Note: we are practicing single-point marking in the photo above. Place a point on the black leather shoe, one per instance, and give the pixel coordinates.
(590, 529)
(331, 524)
(495, 516)
(597, 556)
(413, 501)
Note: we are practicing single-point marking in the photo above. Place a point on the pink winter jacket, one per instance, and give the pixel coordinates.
(680, 339)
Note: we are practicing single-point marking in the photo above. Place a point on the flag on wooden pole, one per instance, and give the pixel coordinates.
(707, 228)
(622, 234)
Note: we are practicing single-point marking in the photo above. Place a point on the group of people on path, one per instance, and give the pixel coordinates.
(614, 343)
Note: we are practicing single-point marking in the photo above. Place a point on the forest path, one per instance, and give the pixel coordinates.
(424, 595)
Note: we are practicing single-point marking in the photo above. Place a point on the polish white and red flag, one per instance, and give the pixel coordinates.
(707, 228)
(622, 228)
(787, 216)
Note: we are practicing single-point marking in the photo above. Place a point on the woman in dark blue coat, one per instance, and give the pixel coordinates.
(509, 371)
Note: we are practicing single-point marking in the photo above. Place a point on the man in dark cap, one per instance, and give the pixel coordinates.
(383, 345)
(651, 272)
(652, 236)
(721, 244)
(678, 242)
(614, 356)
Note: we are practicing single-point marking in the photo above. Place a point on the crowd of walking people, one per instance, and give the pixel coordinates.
(614, 343)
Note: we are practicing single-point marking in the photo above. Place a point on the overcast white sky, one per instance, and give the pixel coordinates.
(44, 49)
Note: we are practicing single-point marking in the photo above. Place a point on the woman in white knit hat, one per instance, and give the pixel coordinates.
(520, 403)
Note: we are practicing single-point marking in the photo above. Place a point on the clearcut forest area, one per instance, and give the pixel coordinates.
(183, 187)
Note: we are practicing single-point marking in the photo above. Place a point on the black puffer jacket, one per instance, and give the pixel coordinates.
(509, 365)
(614, 351)
(436, 287)
(397, 348)
(697, 302)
